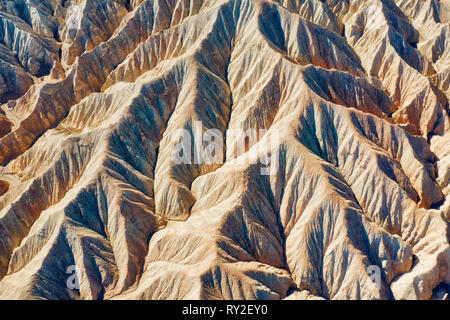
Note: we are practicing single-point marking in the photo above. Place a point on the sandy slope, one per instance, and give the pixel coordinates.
(352, 95)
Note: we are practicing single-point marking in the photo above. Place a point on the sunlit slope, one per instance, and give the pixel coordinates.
(352, 97)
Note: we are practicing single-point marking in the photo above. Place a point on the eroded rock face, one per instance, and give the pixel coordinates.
(351, 97)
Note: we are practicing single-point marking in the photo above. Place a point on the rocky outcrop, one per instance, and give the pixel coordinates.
(345, 181)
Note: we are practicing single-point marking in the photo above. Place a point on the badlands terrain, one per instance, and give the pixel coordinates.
(351, 97)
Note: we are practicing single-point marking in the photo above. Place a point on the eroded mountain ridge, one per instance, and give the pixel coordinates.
(355, 92)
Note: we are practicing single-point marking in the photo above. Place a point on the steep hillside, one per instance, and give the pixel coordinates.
(332, 125)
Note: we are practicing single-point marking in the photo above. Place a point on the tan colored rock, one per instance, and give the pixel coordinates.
(349, 173)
